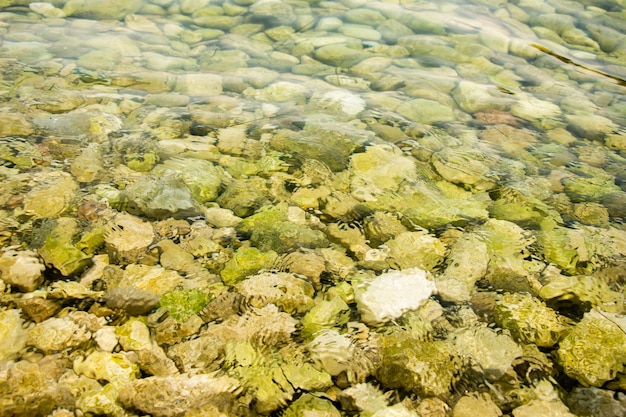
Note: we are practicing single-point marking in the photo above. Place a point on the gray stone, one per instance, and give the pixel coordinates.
(426, 111)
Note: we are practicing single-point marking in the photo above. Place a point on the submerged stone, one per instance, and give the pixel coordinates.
(595, 350)
(392, 294)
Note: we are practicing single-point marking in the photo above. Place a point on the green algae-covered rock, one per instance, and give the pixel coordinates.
(309, 405)
(202, 177)
(564, 246)
(244, 196)
(595, 350)
(59, 252)
(426, 368)
(326, 314)
(95, 9)
(246, 261)
(416, 249)
(493, 350)
(182, 304)
(529, 320)
(259, 372)
(274, 229)
(160, 196)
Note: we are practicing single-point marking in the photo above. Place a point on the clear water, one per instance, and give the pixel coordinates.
(456, 119)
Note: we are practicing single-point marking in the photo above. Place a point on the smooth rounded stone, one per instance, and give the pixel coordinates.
(282, 91)
(46, 10)
(191, 6)
(591, 126)
(158, 62)
(390, 295)
(141, 24)
(329, 24)
(22, 270)
(360, 32)
(424, 22)
(476, 405)
(100, 60)
(220, 217)
(28, 52)
(473, 97)
(96, 9)
(340, 55)
(15, 124)
(534, 109)
(218, 22)
(339, 101)
(616, 141)
(392, 30)
(576, 36)
(608, 39)
(364, 16)
(497, 41)
(223, 61)
(202, 178)
(256, 77)
(272, 12)
(167, 100)
(426, 111)
(558, 23)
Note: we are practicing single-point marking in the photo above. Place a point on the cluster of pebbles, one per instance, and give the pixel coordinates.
(312, 208)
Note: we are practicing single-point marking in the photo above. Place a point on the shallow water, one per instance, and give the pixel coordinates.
(235, 178)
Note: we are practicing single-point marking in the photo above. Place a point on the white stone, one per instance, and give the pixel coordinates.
(392, 294)
(106, 338)
(199, 84)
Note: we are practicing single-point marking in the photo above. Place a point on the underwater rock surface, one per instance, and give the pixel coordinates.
(243, 208)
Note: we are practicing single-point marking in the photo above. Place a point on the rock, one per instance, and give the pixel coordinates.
(290, 293)
(127, 238)
(134, 301)
(415, 249)
(340, 55)
(476, 405)
(272, 12)
(466, 264)
(199, 84)
(23, 270)
(426, 111)
(94, 9)
(273, 230)
(325, 315)
(494, 351)
(14, 124)
(600, 333)
(309, 405)
(13, 335)
(162, 196)
(246, 262)
(529, 320)
(58, 334)
(415, 365)
(51, 196)
(392, 294)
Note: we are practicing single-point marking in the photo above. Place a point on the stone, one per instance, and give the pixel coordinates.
(392, 294)
(340, 55)
(198, 84)
(95, 9)
(426, 111)
(22, 270)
